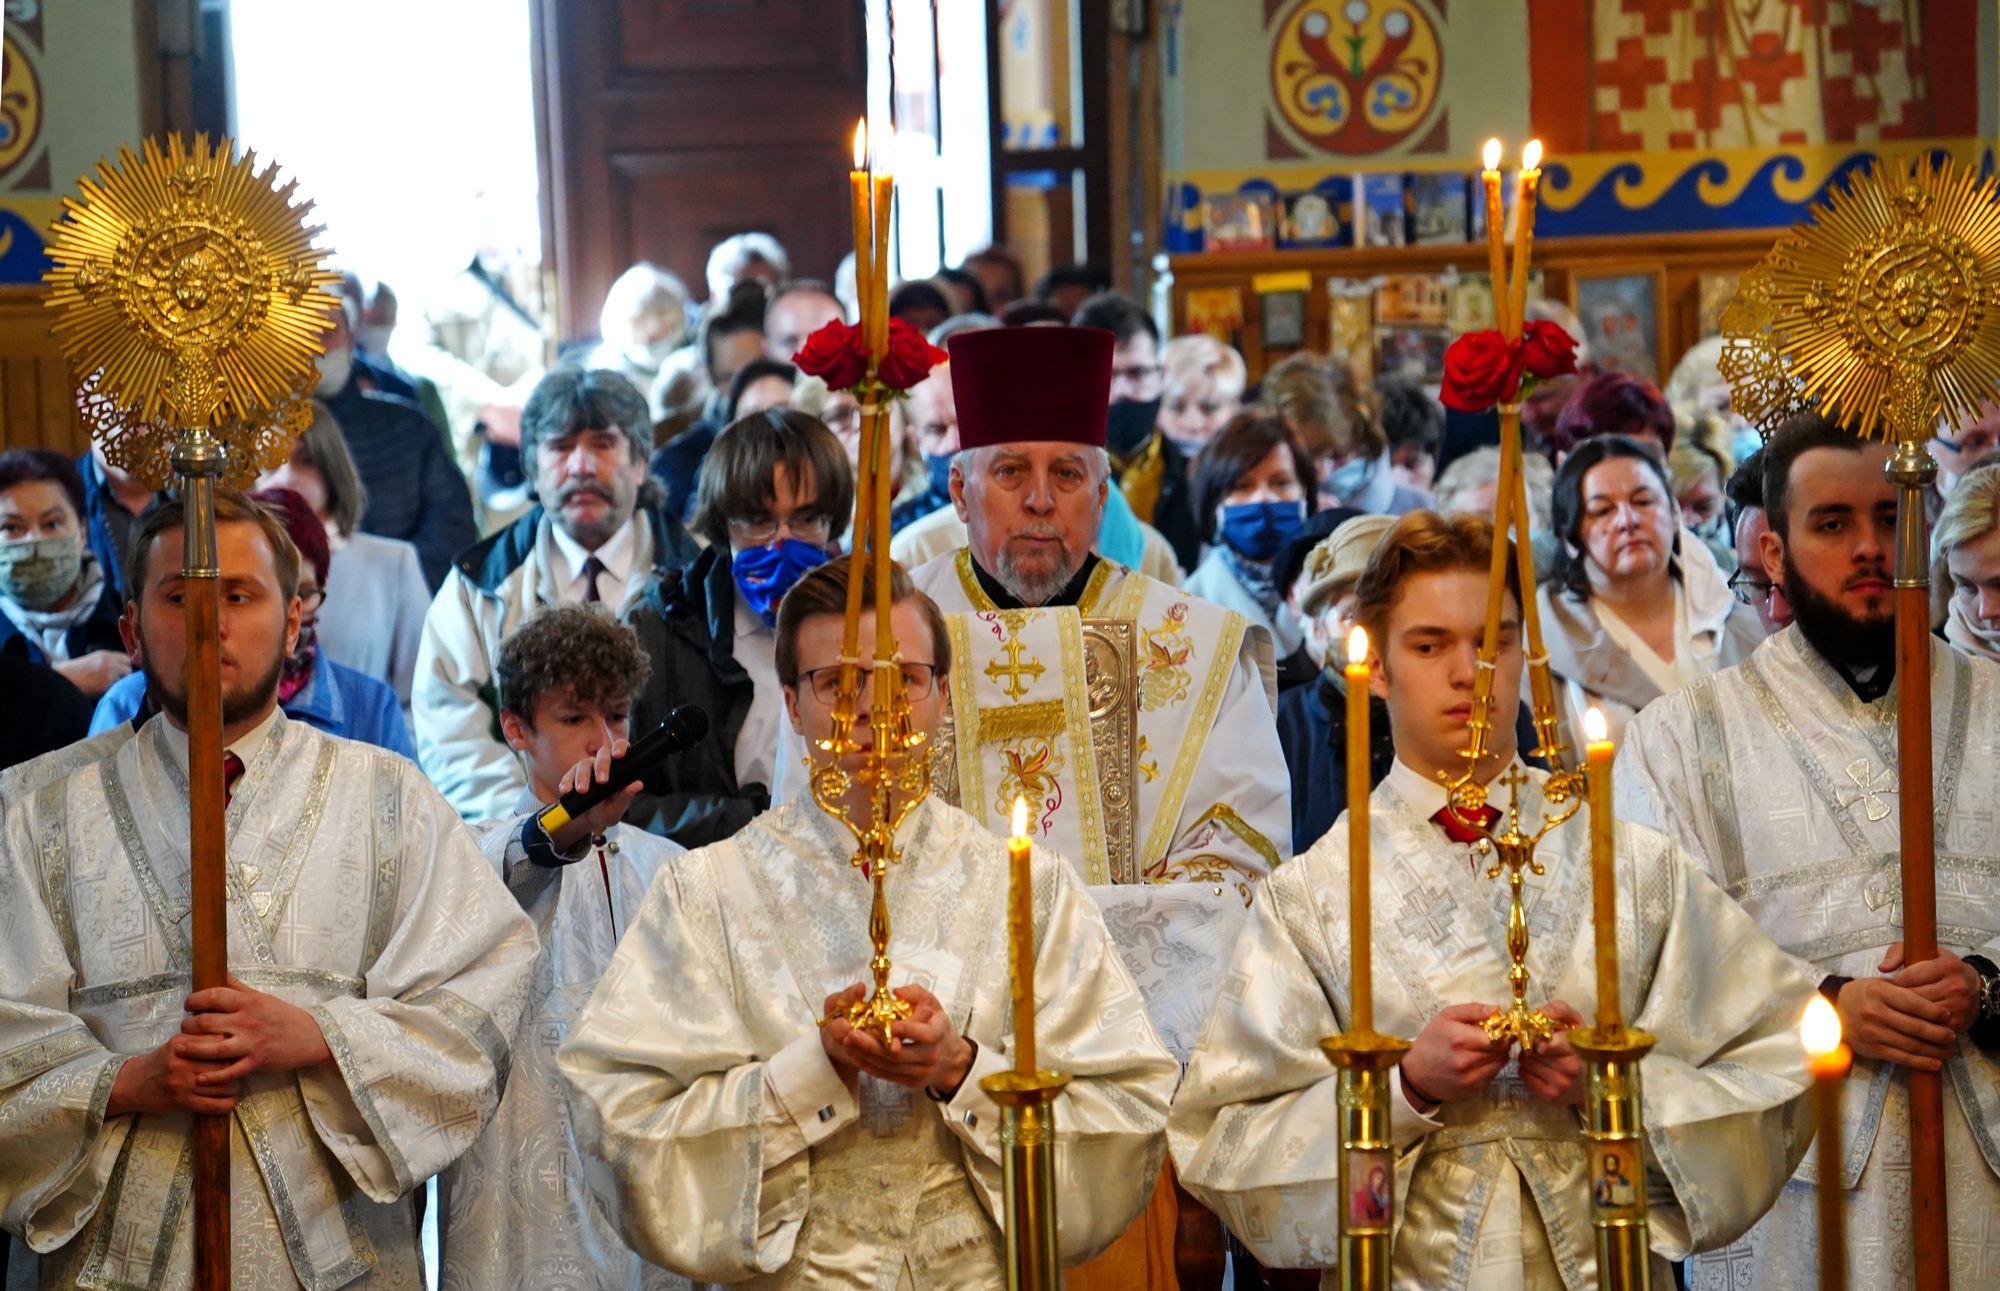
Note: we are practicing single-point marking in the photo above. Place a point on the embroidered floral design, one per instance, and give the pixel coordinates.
(1148, 767)
(1032, 770)
(1166, 677)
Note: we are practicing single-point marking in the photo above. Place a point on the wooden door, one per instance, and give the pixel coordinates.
(667, 125)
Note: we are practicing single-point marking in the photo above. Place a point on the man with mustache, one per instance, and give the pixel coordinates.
(1210, 804)
(377, 967)
(596, 537)
(1781, 774)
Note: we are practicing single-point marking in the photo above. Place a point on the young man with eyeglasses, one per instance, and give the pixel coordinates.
(756, 1138)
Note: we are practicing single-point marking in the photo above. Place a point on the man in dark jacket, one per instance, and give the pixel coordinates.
(1152, 470)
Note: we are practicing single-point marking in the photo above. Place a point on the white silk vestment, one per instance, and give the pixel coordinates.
(1783, 782)
(697, 1070)
(518, 1211)
(1492, 1192)
(354, 892)
(1213, 812)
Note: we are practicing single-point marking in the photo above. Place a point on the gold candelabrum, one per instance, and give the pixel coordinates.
(191, 303)
(893, 767)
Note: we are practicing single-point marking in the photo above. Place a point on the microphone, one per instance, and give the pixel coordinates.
(683, 727)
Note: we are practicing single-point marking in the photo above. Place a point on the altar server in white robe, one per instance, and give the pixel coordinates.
(1781, 774)
(1492, 1180)
(377, 963)
(753, 1145)
(519, 1211)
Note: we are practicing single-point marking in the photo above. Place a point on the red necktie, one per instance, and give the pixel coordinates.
(232, 771)
(592, 567)
(1455, 826)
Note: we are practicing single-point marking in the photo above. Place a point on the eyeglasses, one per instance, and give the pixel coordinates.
(757, 533)
(1750, 589)
(844, 418)
(918, 678)
(310, 599)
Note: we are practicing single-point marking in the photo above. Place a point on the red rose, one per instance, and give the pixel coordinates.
(1547, 350)
(910, 357)
(837, 353)
(1480, 370)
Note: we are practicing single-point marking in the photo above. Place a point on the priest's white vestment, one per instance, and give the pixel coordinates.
(1783, 782)
(697, 1070)
(1492, 1192)
(354, 892)
(519, 1212)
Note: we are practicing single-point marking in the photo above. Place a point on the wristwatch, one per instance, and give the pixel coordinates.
(1989, 986)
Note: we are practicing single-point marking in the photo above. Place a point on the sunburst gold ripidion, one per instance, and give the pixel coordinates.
(190, 295)
(1886, 307)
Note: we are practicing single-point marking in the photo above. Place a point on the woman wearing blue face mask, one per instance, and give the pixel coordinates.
(772, 501)
(1253, 488)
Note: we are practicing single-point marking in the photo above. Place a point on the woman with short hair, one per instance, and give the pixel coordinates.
(1318, 398)
(1253, 489)
(58, 606)
(1635, 606)
(1967, 539)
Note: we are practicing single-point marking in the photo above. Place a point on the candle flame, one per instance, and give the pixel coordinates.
(1020, 817)
(1819, 1030)
(1357, 645)
(1595, 728)
(861, 144)
(1531, 156)
(1492, 154)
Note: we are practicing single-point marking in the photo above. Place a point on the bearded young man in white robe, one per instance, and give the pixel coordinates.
(1492, 1179)
(755, 1138)
(377, 969)
(519, 1211)
(1781, 775)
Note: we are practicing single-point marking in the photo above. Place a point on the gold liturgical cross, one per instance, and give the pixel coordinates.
(1872, 786)
(1013, 669)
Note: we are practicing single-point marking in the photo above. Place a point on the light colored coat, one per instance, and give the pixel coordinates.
(373, 619)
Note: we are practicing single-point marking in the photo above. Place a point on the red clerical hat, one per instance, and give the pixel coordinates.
(1017, 384)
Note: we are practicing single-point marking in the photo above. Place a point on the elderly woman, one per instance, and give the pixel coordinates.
(1635, 606)
(1253, 488)
(1967, 541)
(376, 597)
(56, 603)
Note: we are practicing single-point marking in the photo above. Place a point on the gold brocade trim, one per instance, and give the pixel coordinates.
(1160, 838)
(1093, 587)
(1224, 814)
(1139, 477)
(971, 776)
(1086, 604)
(1021, 722)
(1096, 856)
(968, 582)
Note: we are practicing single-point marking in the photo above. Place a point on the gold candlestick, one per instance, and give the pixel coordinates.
(1367, 1177)
(1026, 1097)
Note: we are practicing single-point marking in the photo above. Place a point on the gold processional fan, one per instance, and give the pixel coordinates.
(1883, 313)
(190, 295)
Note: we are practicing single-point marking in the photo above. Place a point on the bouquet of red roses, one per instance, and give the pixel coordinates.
(839, 354)
(1482, 369)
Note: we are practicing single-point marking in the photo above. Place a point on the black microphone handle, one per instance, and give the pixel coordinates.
(684, 727)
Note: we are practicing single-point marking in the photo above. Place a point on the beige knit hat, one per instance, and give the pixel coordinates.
(1334, 567)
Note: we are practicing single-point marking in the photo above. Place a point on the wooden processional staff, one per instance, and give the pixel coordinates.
(1883, 312)
(191, 305)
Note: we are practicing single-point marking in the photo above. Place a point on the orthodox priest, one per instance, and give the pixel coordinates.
(754, 1136)
(1490, 1160)
(1780, 774)
(377, 967)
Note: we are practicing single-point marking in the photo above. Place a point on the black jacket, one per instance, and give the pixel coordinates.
(687, 624)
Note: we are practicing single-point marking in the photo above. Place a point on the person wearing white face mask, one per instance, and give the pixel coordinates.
(1635, 607)
(1967, 542)
(1318, 398)
(54, 609)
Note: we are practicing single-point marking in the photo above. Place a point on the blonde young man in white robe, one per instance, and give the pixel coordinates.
(519, 1212)
(1781, 775)
(755, 1138)
(1492, 1185)
(377, 970)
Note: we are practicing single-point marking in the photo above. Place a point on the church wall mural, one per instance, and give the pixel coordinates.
(1296, 123)
(68, 96)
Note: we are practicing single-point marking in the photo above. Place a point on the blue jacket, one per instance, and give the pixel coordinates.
(103, 544)
(337, 700)
(1312, 728)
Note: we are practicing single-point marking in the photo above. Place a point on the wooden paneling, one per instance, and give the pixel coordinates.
(667, 125)
(37, 408)
(1681, 259)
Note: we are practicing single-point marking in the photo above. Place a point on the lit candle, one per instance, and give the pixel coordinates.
(864, 241)
(1829, 1059)
(1603, 883)
(1021, 937)
(1496, 235)
(1524, 228)
(885, 191)
(1361, 988)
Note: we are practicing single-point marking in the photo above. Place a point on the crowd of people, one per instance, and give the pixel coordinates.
(499, 560)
